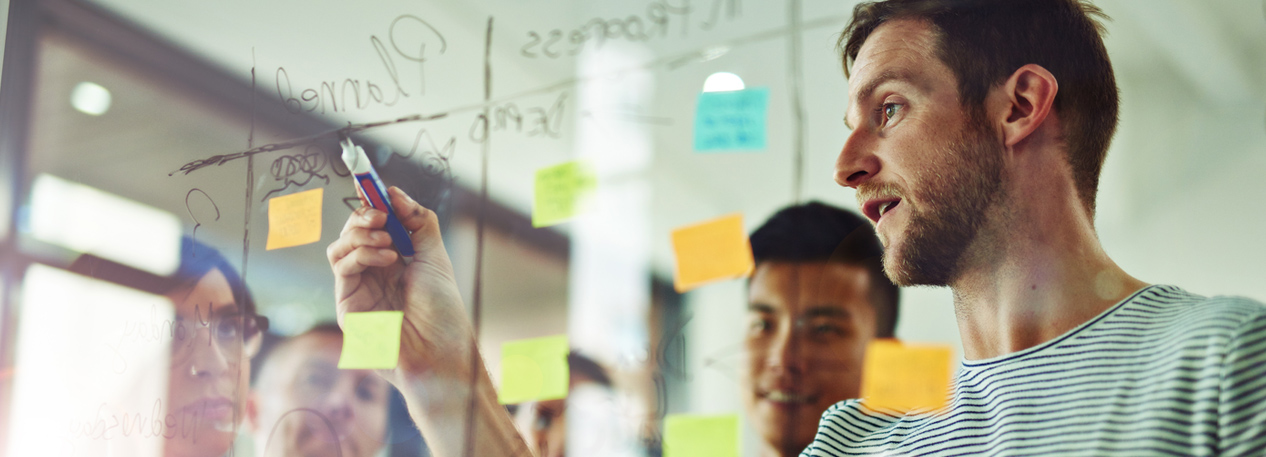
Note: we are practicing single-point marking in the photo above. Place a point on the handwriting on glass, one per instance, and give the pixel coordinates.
(412, 39)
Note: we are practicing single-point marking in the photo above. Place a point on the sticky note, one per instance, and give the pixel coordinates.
(906, 377)
(732, 121)
(534, 369)
(688, 435)
(710, 251)
(295, 219)
(561, 192)
(371, 340)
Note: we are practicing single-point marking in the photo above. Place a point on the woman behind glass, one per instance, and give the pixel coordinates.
(216, 332)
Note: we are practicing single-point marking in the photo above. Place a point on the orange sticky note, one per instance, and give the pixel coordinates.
(295, 219)
(710, 251)
(906, 377)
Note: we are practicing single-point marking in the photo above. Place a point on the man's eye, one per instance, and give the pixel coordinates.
(828, 330)
(890, 111)
(760, 325)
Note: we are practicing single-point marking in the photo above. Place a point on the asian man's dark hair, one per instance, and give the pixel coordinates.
(984, 41)
(817, 232)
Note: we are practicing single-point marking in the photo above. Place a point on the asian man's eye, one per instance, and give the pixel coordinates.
(759, 325)
(827, 330)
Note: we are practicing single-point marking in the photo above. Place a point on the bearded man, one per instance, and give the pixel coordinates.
(979, 128)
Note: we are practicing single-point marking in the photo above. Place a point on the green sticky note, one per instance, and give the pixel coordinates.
(561, 192)
(732, 121)
(371, 340)
(534, 369)
(689, 435)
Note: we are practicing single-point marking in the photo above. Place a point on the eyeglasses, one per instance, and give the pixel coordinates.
(233, 333)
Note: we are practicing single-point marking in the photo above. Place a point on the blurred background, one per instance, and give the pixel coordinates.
(185, 117)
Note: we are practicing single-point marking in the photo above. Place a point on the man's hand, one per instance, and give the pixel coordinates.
(369, 276)
(441, 375)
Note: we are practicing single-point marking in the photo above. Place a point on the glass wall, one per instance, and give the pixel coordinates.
(178, 168)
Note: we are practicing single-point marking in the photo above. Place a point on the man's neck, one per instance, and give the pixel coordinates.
(1035, 272)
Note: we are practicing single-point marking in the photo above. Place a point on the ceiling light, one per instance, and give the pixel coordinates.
(723, 82)
(90, 98)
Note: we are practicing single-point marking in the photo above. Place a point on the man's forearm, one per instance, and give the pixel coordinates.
(440, 404)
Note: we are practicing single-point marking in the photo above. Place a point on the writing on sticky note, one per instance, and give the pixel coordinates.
(732, 121)
(688, 435)
(294, 220)
(534, 369)
(371, 340)
(906, 377)
(710, 251)
(561, 192)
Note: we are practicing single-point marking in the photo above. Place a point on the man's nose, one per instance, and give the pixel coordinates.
(857, 162)
(786, 353)
(338, 405)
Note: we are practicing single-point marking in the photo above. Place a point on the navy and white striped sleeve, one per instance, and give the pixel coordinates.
(1242, 408)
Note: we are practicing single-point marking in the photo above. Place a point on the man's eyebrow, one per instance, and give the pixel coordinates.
(760, 308)
(869, 89)
(826, 311)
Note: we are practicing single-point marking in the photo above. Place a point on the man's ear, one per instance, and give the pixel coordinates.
(1030, 97)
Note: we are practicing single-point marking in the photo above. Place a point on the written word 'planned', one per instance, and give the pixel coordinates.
(410, 37)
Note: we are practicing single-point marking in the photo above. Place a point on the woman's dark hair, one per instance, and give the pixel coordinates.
(196, 260)
(817, 232)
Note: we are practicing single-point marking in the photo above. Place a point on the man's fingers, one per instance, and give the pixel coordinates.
(365, 217)
(421, 222)
(355, 237)
(361, 258)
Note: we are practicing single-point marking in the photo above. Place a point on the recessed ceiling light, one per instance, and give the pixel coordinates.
(722, 82)
(90, 98)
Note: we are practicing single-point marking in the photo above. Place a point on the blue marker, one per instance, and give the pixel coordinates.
(371, 186)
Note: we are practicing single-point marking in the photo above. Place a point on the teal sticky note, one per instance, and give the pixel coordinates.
(688, 435)
(732, 121)
(371, 340)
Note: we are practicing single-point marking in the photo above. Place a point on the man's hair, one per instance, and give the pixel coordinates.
(274, 344)
(817, 232)
(579, 364)
(984, 41)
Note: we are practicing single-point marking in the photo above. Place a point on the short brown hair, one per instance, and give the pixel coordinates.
(984, 41)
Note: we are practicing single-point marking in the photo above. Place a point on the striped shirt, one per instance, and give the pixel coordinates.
(1164, 372)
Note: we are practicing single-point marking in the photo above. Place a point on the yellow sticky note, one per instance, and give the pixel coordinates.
(534, 369)
(561, 192)
(294, 219)
(906, 377)
(688, 435)
(711, 250)
(371, 340)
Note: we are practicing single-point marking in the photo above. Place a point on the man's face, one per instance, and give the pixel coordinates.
(315, 408)
(808, 326)
(927, 172)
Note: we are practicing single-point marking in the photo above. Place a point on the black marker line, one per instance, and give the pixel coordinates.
(797, 101)
(797, 182)
(476, 308)
(671, 62)
(197, 223)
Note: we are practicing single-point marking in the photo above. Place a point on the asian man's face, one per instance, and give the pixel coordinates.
(927, 171)
(807, 329)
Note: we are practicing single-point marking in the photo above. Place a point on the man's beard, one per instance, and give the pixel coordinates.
(955, 191)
